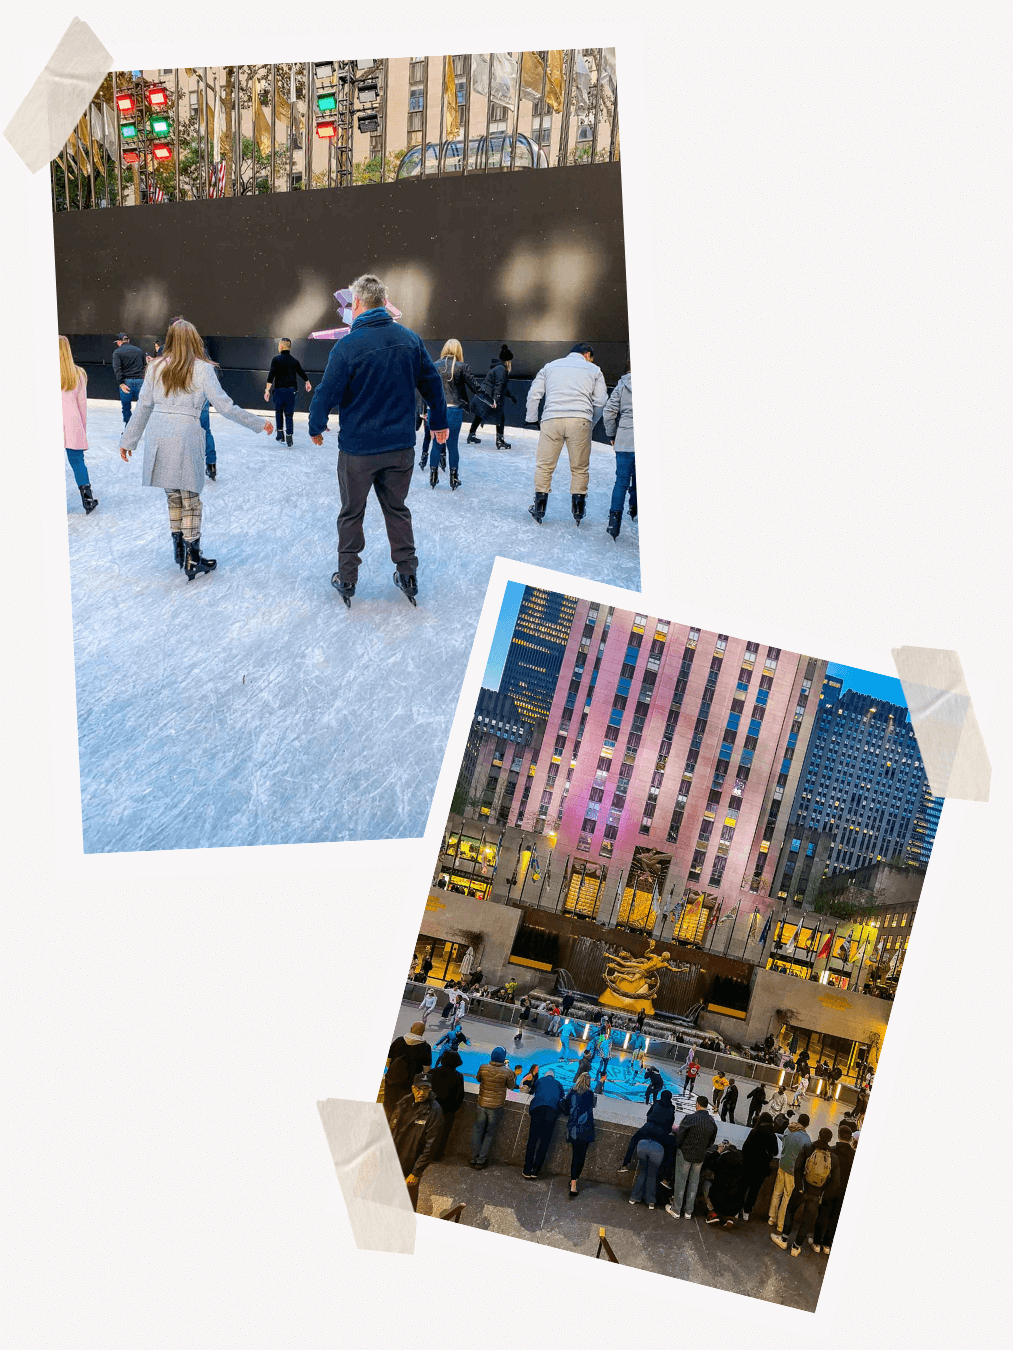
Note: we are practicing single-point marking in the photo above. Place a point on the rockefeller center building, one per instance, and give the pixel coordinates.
(667, 755)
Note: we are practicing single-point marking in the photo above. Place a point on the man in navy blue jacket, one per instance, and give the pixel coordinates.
(371, 379)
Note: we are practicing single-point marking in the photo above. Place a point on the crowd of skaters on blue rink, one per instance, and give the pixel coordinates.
(681, 1158)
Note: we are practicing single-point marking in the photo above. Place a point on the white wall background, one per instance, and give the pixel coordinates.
(818, 225)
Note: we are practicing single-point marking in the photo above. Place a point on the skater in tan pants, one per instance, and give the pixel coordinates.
(575, 393)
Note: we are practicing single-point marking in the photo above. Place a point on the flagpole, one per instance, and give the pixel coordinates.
(731, 931)
(615, 902)
(562, 883)
(545, 877)
(714, 930)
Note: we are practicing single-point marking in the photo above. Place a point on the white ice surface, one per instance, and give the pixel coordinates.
(250, 706)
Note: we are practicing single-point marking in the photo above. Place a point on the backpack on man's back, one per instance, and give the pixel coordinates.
(818, 1167)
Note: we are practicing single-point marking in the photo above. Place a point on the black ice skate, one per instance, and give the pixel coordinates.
(424, 460)
(194, 562)
(539, 506)
(178, 547)
(455, 480)
(615, 523)
(212, 472)
(578, 501)
(473, 440)
(346, 589)
(288, 441)
(633, 508)
(434, 476)
(501, 444)
(87, 500)
(279, 435)
(405, 581)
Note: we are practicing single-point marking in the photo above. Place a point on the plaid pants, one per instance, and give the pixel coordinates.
(184, 512)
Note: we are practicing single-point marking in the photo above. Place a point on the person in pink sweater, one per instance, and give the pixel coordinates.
(74, 387)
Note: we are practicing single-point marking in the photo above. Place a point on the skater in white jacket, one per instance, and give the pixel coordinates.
(575, 393)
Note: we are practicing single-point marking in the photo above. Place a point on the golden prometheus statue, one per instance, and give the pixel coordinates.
(633, 980)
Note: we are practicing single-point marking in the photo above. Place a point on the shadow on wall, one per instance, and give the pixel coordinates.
(547, 290)
(147, 305)
(313, 307)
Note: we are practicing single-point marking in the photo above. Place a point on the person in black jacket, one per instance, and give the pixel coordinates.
(833, 1195)
(408, 1055)
(459, 386)
(129, 363)
(758, 1151)
(729, 1099)
(492, 397)
(658, 1125)
(757, 1101)
(728, 1188)
(281, 387)
(448, 1089)
(416, 1126)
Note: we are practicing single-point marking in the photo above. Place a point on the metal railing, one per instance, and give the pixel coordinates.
(198, 133)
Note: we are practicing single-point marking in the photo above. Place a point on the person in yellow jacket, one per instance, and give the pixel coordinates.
(719, 1082)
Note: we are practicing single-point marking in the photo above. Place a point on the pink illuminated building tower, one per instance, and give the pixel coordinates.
(668, 755)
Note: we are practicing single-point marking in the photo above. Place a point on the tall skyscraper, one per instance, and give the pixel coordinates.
(864, 785)
(666, 758)
(536, 649)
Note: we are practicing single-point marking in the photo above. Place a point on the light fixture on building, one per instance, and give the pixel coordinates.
(327, 130)
(327, 101)
(162, 151)
(131, 156)
(157, 96)
(159, 124)
(367, 91)
(323, 71)
(368, 122)
(125, 103)
(128, 131)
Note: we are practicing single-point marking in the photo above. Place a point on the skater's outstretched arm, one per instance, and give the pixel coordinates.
(599, 397)
(430, 386)
(328, 392)
(535, 395)
(220, 401)
(134, 429)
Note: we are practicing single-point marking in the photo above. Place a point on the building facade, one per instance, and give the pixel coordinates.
(667, 756)
(535, 655)
(863, 784)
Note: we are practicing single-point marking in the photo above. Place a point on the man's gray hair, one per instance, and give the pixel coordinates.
(369, 291)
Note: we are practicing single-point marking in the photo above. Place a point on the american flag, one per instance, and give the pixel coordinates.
(157, 195)
(217, 185)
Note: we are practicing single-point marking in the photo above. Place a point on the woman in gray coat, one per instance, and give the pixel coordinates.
(618, 420)
(176, 385)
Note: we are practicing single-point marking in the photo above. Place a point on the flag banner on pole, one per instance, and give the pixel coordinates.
(534, 865)
(453, 120)
(504, 77)
(714, 916)
(825, 949)
(766, 928)
(532, 70)
(157, 195)
(217, 185)
(499, 846)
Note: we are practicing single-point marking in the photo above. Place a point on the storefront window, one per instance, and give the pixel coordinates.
(445, 956)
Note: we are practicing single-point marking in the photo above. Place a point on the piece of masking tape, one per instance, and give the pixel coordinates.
(942, 716)
(365, 1159)
(59, 98)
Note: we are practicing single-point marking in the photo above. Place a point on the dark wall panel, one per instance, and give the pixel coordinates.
(529, 257)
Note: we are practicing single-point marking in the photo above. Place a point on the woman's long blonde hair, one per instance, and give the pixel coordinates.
(70, 375)
(455, 351)
(583, 1083)
(184, 346)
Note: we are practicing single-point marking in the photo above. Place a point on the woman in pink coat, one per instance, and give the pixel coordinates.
(74, 387)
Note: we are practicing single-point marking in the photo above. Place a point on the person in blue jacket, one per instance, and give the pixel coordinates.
(371, 379)
(544, 1110)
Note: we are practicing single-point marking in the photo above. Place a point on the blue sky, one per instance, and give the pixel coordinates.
(886, 687)
(512, 598)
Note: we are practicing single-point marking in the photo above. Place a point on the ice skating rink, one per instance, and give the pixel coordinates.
(250, 706)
